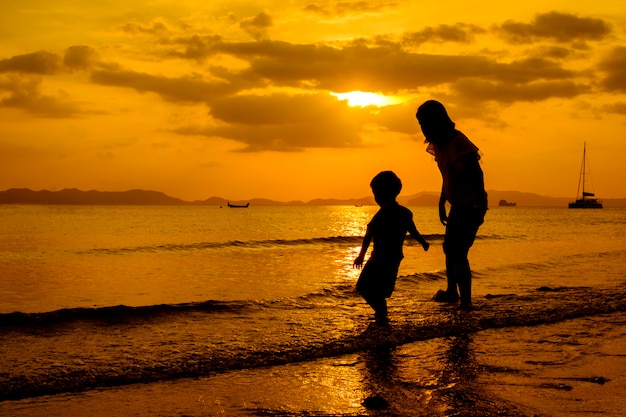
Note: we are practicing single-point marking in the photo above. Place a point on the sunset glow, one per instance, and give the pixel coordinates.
(364, 99)
(251, 99)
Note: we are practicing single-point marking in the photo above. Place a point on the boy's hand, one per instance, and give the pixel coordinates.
(358, 262)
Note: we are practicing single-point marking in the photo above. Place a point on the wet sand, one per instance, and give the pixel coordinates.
(574, 367)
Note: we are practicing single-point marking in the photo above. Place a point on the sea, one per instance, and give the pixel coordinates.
(208, 310)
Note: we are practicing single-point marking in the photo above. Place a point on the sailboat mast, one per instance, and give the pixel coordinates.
(581, 176)
(584, 172)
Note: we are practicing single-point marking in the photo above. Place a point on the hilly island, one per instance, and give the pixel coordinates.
(147, 197)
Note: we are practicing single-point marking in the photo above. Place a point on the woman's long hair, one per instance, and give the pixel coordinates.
(434, 120)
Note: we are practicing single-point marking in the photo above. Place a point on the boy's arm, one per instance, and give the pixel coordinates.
(367, 239)
(415, 234)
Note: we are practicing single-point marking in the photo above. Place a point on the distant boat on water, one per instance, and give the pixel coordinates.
(587, 199)
(238, 206)
(504, 203)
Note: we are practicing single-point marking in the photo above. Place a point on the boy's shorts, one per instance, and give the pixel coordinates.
(377, 279)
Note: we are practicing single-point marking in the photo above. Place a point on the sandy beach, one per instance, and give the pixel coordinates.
(571, 368)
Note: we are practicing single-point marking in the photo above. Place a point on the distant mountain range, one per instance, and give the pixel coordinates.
(147, 197)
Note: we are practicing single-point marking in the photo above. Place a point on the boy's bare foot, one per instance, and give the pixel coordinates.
(445, 297)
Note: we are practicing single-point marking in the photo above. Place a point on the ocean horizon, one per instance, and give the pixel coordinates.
(74, 196)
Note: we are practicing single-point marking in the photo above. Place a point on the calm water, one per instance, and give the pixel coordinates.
(104, 296)
(55, 257)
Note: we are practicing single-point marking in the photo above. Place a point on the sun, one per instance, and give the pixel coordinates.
(364, 99)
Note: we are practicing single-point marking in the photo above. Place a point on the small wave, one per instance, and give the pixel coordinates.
(129, 314)
(542, 306)
(117, 313)
(250, 244)
(424, 276)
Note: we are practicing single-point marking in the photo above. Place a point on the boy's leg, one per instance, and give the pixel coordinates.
(379, 305)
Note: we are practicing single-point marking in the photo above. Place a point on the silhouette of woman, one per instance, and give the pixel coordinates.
(463, 188)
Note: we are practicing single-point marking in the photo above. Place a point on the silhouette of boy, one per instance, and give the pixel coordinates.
(387, 229)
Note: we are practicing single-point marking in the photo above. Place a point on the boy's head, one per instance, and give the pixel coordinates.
(386, 186)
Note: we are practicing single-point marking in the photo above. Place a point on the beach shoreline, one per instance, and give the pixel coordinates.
(553, 369)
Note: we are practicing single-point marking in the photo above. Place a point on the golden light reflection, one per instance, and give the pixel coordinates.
(364, 99)
(346, 271)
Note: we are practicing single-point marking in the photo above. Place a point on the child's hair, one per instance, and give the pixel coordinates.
(386, 185)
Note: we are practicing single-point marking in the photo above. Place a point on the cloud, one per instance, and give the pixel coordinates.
(555, 26)
(377, 64)
(156, 27)
(360, 7)
(615, 108)
(79, 57)
(613, 66)
(41, 62)
(285, 123)
(321, 9)
(388, 68)
(461, 33)
(347, 8)
(483, 90)
(551, 52)
(24, 93)
(257, 26)
(196, 47)
(189, 89)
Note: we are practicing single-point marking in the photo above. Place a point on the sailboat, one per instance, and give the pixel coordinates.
(587, 199)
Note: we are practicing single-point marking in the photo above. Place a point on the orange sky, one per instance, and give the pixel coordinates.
(233, 98)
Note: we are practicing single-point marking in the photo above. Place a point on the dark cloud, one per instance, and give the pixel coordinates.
(321, 9)
(42, 62)
(191, 89)
(347, 8)
(551, 52)
(459, 32)
(285, 123)
(377, 64)
(153, 28)
(359, 7)
(258, 25)
(555, 26)
(614, 68)
(386, 69)
(79, 57)
(483, 90)
(196, 47)
(616, 108)
(24, 93)
(399, 118)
